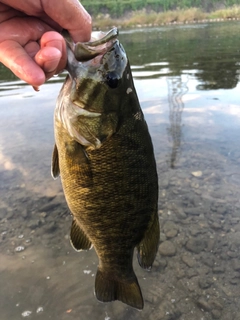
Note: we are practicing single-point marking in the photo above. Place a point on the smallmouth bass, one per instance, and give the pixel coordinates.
(104, 155)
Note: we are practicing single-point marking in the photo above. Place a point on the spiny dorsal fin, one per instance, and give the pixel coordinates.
(55, 163)
(78, 238)
(127, 290)
(148, 247)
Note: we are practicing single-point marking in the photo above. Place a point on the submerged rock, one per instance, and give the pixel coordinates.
(167, 248)
(196, 245)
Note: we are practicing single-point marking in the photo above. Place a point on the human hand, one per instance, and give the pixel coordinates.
(30, 43)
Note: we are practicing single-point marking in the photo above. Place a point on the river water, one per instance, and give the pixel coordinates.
(187, 79)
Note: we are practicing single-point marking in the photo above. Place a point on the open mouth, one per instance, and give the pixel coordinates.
(100, 44)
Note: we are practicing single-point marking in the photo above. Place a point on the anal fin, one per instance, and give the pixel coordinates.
(127, 290)
(148, 247)
(78, 238)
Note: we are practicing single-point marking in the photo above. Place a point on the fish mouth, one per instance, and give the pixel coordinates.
(100, 44)
(84, 58)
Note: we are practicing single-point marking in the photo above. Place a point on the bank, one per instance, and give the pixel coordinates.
(145, 18)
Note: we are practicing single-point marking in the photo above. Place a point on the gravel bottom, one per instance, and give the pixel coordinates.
(196, 274)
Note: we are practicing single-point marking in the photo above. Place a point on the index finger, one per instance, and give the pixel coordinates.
(13, 56)
(70, 15)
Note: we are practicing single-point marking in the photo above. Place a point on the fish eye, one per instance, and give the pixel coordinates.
(112, 80)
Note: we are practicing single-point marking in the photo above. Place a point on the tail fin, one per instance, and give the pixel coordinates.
(128, 290)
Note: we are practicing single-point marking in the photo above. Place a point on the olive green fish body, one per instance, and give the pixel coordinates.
(105, 158)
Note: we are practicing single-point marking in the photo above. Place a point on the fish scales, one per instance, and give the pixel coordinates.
(118, 183)
(108, 172)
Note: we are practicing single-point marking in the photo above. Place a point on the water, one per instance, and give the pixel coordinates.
(187, 79)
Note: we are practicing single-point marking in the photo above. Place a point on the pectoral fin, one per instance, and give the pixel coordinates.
(75, 151)
(55, 163)
(78, 238)
(148, 247)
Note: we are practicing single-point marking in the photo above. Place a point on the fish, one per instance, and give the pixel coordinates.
(104, 156)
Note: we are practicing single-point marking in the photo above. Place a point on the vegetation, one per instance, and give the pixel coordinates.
(152, 18)
(131, 13)
(233, 13)
(117, 8)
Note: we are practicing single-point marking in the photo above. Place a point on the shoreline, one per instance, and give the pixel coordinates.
(96, 27)
(142, 18)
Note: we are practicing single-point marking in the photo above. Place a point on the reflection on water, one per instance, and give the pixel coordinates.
(177, 88)
(187, 80)
(210, 53)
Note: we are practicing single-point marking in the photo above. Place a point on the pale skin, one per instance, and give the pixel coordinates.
(31, 45)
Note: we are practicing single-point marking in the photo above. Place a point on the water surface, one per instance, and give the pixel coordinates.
(187, 79)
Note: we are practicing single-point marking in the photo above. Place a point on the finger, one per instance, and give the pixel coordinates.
(48, 59)
(7, 12)
(15, 34)
(51, 40)
(14, 57)
(69, 14)
(32, 48)
(23, 29)
(75, 18)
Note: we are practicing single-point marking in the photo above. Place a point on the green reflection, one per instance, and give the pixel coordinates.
(210, 52)
(6, 74)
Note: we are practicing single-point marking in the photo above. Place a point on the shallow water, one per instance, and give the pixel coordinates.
(187, 79)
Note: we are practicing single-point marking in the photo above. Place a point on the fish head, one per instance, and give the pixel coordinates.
(98, 88)
(100, 73)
